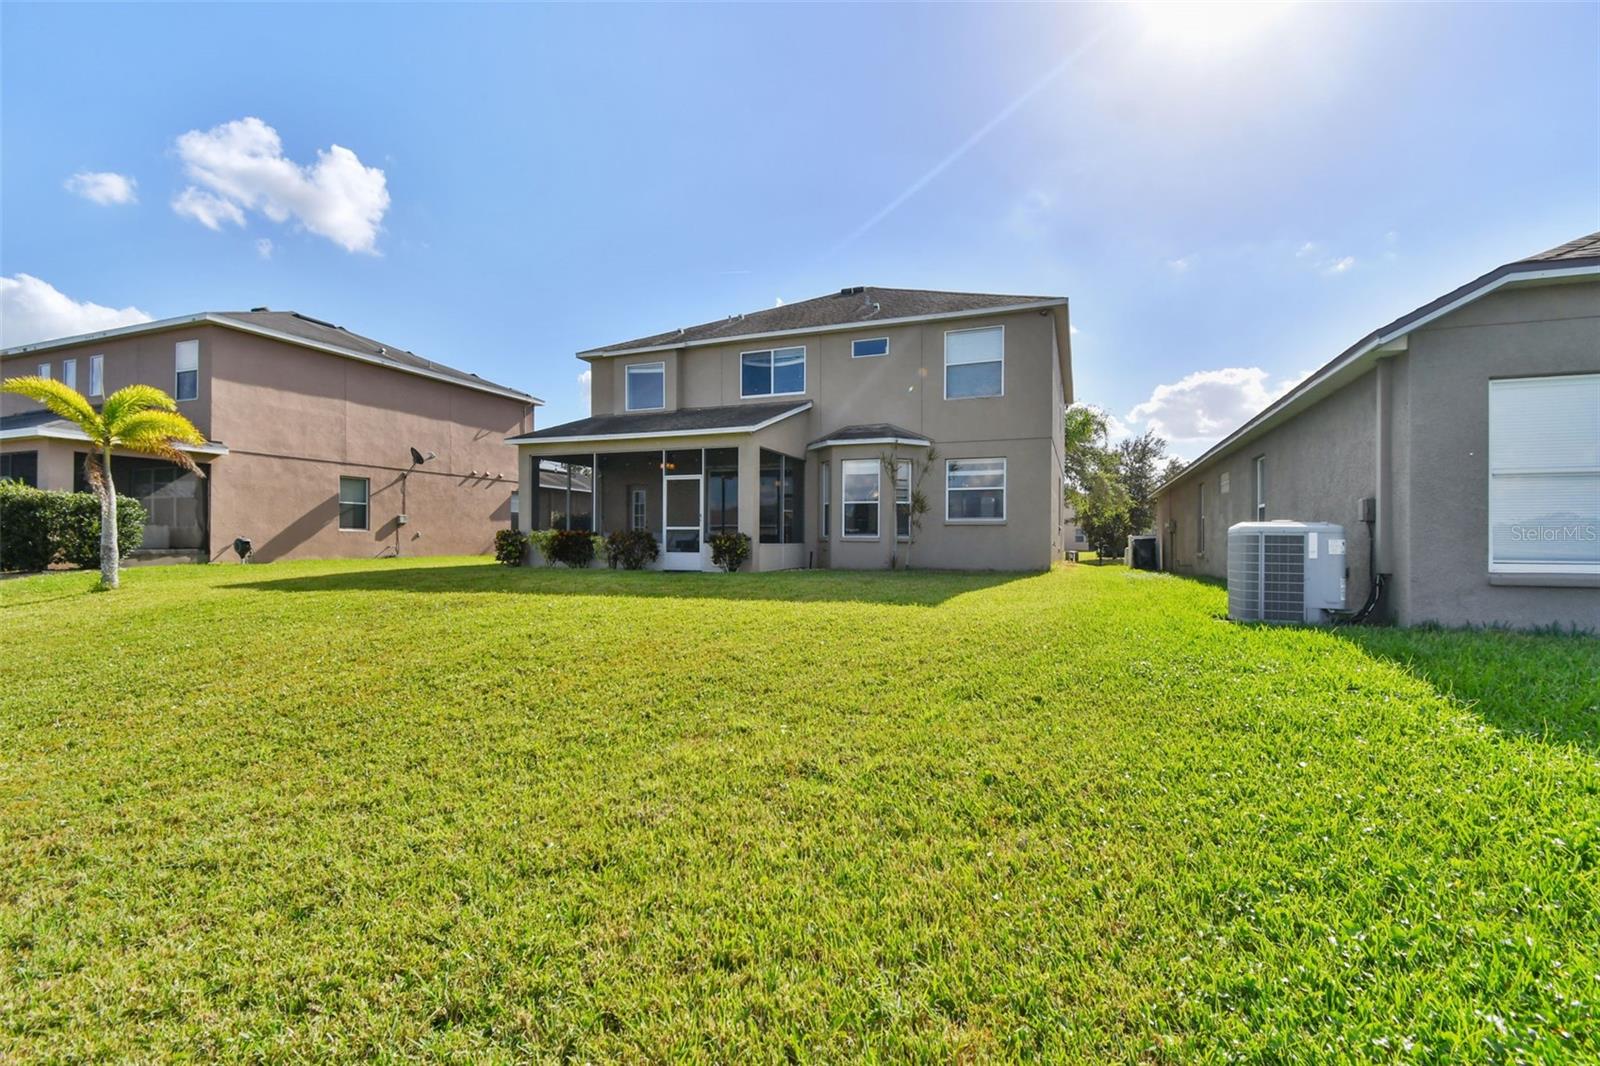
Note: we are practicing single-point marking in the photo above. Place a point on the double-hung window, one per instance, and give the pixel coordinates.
(1544, 475)
(44, 371)
(974, 362)
(69, 373)
(869, 346)
(825, 489)
(186, 360)
(639, 514)
(902, 499)
(860, 481)
(97, 375)
(975, 490)
(353, 503)
(646, 387)
(778, 372)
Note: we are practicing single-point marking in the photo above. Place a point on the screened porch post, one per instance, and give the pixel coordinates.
(594, 493)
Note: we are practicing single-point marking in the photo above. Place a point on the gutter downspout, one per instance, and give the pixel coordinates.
(1383, 550)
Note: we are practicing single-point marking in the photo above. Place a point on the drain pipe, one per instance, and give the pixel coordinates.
(1383, 563)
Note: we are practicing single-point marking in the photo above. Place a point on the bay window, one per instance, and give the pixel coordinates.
(860, 479)
(902, 499)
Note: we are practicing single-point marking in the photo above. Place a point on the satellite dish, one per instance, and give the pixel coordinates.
(416, 458)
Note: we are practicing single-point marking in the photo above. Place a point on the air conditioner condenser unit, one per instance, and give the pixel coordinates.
(1285, 571)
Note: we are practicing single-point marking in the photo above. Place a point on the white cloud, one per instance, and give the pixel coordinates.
(264, 247)
(1072, 330)
(210, 211)
(778, 302)
(1208, 404)
(33, 310)
(239, 166)
(1339, 266)
(1306, 249)
(103, 187)
(584, 379)
(1182, 265)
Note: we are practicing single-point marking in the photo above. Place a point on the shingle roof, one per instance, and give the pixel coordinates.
(871, 431)
(320, 332)
(861, 304)
(733, 418)
(1580, 256)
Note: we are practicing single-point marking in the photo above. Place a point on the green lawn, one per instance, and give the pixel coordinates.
(441, 808)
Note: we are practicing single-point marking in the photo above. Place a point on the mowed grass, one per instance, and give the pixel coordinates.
(439, 808)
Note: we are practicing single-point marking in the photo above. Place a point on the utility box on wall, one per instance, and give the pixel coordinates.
(1284, 571)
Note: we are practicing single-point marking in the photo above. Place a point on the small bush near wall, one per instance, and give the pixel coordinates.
(43, 527)
(631, 549)
(510, 547)
(730, 550)
(572, 547)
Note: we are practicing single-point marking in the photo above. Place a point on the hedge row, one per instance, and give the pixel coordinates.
(38, 527)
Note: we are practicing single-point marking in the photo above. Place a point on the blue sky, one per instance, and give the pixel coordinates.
(1233, 195)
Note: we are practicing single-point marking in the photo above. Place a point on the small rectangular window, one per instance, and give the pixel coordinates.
(860, 481)
(1261, 488)
(69, 373)
(975, 490)
(44, 371)
(515, 516)
(352, 503)
(1222, 483)
(186, 359)
(97, 375)
(646, 388)
(1544, 475)
(779, 372)
(902, 499)
(825, 489)
(868, 347)
(974, 362)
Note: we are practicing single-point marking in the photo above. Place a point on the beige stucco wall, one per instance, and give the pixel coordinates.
(295, 420)
(904, 388)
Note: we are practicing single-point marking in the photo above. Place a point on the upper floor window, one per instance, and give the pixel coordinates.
(186, 358)
(69, 373)
(871, 346)
(97, 375)
(646, 388)
(974, 362)
(779, 372)
(1544, 475)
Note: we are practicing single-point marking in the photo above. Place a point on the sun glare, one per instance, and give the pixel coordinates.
(1204, 28)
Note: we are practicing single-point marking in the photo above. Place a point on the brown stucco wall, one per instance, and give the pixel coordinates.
(296, 419)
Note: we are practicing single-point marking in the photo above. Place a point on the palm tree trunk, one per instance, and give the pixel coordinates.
(108, 526)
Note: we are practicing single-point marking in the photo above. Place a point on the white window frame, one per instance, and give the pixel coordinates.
(1260, 468)
(976, 329)
(638, 508)
(366, 497)
(824, 490)
(1567, 569)
(627, 377)
(1005, 495)
(44, 371)
(906, 503)
(870, 355)
(845, 501)
(178, 369)
(772, 354)
(97, 375)
(69, 373)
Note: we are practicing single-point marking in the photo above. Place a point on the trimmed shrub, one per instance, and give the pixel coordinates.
(730, 550)
(43, 527)
(571, 547)
(631, 549)
(510, 547)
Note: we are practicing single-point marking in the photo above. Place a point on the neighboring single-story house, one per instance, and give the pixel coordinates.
(1467, 431)
(310, 433)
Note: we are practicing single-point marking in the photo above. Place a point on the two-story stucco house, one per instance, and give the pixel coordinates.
(812, 425)
(1458, 446)
(310, 431)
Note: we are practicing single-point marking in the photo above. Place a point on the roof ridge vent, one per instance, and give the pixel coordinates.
(853, 290)
(316, 321)
(258, 310)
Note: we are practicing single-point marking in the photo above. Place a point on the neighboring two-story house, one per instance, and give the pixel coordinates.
(310, 432)
(811, 426)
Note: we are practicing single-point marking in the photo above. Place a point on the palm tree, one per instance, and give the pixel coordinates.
(139, 418)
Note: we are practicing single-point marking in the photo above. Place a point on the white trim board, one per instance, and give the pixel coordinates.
(77, 436)
(656, 434)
